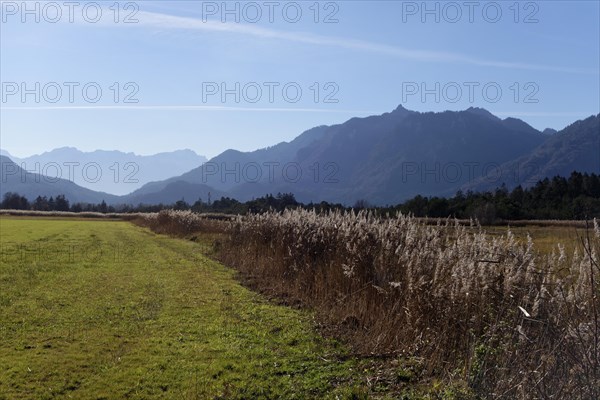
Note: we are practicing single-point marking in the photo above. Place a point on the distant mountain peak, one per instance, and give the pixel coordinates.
(482, 112)
(401, 110)
(549, 131)
(5, 153)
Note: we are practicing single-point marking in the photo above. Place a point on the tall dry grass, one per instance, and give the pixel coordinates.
(183, 222)
(492, 311)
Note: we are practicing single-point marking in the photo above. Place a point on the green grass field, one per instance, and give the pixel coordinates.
(95, 309)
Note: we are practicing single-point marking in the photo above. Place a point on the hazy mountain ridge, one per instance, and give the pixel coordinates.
(31, 185)
(386, 159)
(110, 171)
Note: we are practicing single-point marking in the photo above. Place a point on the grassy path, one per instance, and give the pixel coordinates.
(107, 310)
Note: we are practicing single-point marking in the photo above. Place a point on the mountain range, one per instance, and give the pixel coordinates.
(383, 159)
(114, 172)
(30, 184)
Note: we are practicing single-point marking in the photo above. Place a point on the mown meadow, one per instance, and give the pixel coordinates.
(108, 310)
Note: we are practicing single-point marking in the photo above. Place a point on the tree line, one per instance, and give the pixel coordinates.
(279, 202)
(575, 197)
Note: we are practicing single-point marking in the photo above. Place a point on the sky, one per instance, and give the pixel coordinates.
(154, 76)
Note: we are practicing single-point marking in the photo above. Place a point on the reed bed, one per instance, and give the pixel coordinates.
(184, 222)
(487, 310)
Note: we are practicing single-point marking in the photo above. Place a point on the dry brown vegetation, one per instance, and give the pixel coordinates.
(487, 310)
(180, 223)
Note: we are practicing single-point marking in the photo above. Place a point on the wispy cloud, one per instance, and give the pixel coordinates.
(514, 114)
(187, 108)
(166, 21)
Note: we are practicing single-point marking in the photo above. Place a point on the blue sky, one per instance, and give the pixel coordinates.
(175, 58)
